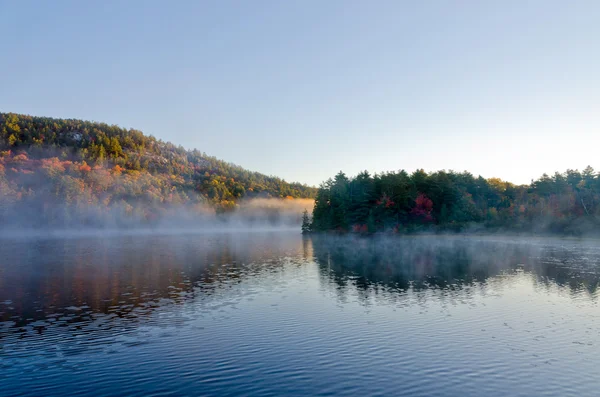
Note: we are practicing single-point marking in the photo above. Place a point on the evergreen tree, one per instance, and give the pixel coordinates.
(306, 226)
(115, 148)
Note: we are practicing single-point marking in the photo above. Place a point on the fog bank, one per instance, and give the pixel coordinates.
(260, 214)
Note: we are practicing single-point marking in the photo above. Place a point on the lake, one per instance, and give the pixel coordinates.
(276, 313)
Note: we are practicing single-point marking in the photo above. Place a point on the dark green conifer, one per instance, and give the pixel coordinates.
(306, 226)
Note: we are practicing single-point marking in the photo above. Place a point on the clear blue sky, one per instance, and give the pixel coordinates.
(303, 89)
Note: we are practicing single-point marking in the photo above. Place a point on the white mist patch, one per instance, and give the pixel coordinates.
(261, 214)
(270, 211)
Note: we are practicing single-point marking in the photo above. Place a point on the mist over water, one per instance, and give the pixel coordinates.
(273, 312)
(256, 214)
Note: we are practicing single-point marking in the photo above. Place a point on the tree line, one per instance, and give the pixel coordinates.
(565, 203)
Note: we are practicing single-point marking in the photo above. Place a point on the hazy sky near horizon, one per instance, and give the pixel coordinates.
(303, 89)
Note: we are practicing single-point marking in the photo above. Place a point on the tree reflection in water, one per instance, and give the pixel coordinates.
(397, 265)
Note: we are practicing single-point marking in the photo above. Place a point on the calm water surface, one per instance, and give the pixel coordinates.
(276, 313)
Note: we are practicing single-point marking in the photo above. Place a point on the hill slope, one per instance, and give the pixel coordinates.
(57, 172)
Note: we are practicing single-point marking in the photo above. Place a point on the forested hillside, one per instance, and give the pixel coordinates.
(59, 172)
(567, 203)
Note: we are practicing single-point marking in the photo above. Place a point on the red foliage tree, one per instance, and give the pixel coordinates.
(385, 201)
(360, 228)
(423, 207)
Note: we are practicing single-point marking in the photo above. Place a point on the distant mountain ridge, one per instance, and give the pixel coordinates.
(47, 163)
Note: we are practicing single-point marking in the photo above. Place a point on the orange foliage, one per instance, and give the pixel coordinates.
(84, 167)
(117, 169)
(20, 157)
(51, 160)
(53, 164)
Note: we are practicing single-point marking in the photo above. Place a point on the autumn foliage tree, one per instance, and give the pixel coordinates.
(423, 208)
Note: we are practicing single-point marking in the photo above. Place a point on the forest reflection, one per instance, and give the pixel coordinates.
(452, 263)
(72, 283)
(41, 278)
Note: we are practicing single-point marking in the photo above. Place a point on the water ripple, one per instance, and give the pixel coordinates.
(282, 315)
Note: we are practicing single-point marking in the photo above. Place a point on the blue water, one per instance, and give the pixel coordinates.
(279, 314)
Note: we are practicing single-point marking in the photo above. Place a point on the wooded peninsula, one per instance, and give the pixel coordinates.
(564, 203)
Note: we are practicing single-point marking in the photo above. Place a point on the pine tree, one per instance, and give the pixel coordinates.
(115, 148)
(101, 153)
(306, 227)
